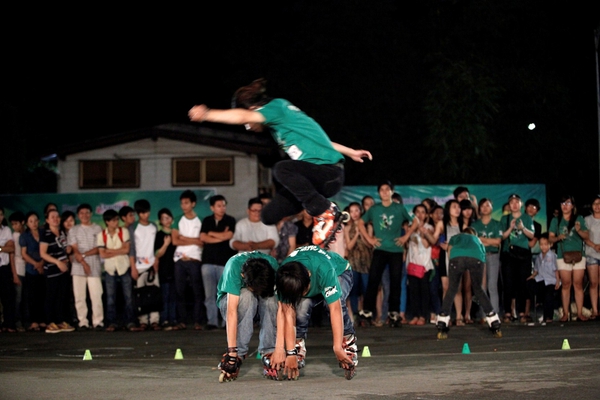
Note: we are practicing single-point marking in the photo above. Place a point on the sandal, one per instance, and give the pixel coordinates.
(582, 318)
(468, 321)
(378, 323)
(143, 327)
(111, 328)
(155, 326)
(507, 319)
(179, 327)
(459, 322)
(197, 327)
(34, 327)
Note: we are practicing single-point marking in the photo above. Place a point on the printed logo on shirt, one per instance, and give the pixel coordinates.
(386, 222)
(330, 291)
(294, 152)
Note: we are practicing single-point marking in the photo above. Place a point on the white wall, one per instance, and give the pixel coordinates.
(155, 162)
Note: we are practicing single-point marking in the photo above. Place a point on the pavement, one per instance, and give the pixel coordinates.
(558, 361)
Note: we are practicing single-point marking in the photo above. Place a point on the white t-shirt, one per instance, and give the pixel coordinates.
(593, 226)
(144, 236)
(19, 260)
(247, 231)
(189, 228)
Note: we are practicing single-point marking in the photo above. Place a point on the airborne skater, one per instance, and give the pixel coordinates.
(315, 170)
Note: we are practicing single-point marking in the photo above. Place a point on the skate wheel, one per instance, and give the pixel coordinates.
(345, 217)
(222, 377)
(349, 373)
(498, 334)
(442, 335)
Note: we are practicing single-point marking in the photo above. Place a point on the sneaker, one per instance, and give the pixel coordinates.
(99, 328)
(83, 328)
(323, 224)
(65, 327)
(53, 328)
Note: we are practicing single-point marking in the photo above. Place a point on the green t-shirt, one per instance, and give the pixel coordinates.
(387, 224)
(466, 245)
(516, 237)
(493, 230)
(300, 136)
(231, 280)
(324, 268)
(573, 241)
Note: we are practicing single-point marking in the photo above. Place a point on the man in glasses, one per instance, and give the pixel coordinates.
(251, 233)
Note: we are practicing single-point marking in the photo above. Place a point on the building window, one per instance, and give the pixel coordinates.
(202, 171)
(109, 174)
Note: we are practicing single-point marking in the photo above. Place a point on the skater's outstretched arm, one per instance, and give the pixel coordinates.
(356, 155)
(234, 116)
(337, 328)
(286, 340)
(232, 319)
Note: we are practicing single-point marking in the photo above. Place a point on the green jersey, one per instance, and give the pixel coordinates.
(516, 237)
(491, 230)
(324, 268)
(466, 245)
(387, 224)
(573, 241)
(231, 280)
(300, 136)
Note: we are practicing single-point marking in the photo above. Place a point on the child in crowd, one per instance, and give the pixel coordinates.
(545, 279)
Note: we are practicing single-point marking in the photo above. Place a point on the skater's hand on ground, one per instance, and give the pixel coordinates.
(291, 367)
(342, 357)
(278, 359)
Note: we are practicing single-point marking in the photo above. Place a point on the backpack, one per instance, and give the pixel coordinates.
(119, 232)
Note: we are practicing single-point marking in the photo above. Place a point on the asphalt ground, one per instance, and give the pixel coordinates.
(528, 362)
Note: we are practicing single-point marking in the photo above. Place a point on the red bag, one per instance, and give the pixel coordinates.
(415, 270)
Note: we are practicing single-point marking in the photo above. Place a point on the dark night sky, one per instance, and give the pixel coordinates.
(100, 71)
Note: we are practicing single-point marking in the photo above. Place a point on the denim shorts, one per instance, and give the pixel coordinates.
(592, 261)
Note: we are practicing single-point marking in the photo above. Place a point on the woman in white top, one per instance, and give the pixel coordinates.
(592, 253)
(419, 253)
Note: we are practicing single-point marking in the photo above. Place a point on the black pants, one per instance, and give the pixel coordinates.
(304, 186)
(514, 282)
(544, 293)
(381, 259)
(457, 268)
(7, 296)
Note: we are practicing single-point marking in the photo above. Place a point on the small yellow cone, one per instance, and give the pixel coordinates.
(466, 349)
(178, 355)
(366, 352)
(565, 345)
(87, 356)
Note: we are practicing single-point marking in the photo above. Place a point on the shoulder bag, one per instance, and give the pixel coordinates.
(148, 298)
(571, 257)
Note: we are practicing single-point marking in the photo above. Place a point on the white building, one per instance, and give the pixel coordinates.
(172, 157)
